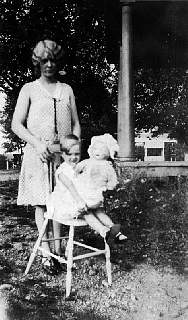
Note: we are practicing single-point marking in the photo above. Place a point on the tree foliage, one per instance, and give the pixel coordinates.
(79, 27)
(160, 95)
(161, 102)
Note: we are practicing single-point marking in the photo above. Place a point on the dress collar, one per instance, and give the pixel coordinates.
(57, 92)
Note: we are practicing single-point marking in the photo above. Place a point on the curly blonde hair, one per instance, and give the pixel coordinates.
(46, 49)
(68, 142)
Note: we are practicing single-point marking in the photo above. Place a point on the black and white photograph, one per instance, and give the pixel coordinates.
(94, 160)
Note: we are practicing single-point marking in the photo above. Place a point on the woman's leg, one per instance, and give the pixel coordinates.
(39, 219)
(57, 234)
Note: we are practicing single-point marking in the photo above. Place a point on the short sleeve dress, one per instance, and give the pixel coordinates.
(33, 181)
(61, 200)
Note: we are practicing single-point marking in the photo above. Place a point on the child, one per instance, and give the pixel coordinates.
(66, 201)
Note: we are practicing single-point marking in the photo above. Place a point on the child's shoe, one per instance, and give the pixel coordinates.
(120, 238)
(114, 235)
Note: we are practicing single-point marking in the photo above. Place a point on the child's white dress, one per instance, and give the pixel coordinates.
(90, 184)
(64, 205)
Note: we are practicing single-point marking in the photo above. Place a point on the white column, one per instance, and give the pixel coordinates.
(125, 94)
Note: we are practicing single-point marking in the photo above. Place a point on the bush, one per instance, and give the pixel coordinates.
(153, 213)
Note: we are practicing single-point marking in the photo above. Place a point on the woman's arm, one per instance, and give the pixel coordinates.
(18, 121)
(76, 124)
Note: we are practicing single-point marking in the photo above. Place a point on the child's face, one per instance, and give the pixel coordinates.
(73, 156)
(100, 151)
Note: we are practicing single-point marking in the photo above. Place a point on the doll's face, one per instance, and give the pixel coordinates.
(100, 151)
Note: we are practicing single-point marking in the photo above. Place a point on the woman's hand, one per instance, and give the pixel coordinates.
(42, 151)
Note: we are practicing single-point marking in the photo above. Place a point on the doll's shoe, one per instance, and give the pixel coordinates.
(114, 236)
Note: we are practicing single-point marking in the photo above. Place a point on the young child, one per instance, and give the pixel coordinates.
(68, 203)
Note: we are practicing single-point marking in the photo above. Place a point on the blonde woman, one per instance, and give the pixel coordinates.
(45, 111)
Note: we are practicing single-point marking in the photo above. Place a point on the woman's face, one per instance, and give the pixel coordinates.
(48, 67)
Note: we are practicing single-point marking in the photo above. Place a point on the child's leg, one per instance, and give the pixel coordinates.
(104, 219)
(96, 224)
(39, 219)
(115, 233)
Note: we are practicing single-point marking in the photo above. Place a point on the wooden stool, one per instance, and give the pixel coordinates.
(69, 258)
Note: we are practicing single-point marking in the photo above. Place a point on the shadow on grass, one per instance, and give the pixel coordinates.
(6, 269)
(65, 314)
(37, 301)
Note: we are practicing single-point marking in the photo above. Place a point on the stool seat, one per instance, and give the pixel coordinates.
(73, 222)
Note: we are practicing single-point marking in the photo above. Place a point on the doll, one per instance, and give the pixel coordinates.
(96, 174)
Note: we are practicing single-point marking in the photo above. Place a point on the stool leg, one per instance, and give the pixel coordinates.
(69, 261)
(36, 246)
(108, 263)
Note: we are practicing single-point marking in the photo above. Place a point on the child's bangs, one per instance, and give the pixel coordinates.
(66, 147)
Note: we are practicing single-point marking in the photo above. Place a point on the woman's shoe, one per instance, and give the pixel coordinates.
(61, 267)
(49, 266)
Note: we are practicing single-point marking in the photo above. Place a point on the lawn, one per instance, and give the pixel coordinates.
(149, 272)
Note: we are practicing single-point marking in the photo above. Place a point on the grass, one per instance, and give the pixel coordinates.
(148, 272)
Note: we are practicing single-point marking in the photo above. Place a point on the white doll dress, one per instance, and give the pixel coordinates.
(96, 176)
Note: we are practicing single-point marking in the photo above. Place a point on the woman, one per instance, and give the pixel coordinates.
(45, 111)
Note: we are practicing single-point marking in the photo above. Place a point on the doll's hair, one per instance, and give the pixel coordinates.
(68, 142)
(46, 49)
(108, 141)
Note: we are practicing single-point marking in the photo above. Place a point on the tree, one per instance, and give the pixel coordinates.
(161, 102)
(160, 93)
(79, 24)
